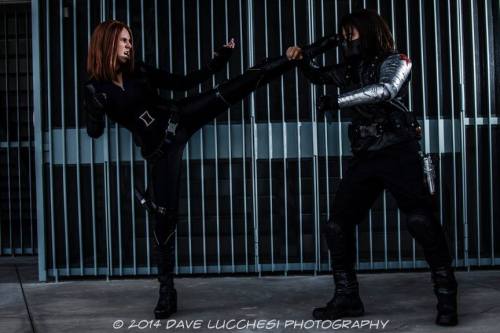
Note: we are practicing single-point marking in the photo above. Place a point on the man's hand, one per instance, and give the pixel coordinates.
(326, 105)
(294, 53)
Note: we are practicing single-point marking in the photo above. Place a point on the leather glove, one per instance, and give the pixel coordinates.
(220, 59)
(326, 104)
(322, 45)
(94, 104)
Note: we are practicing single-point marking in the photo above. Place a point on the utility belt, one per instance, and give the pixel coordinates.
(404, 123)
(167, 137)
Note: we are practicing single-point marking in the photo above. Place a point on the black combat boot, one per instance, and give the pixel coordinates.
(345, 302)
(164, 239)
(445, 288)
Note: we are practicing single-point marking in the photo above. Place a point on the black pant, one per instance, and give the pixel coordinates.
(398, 169)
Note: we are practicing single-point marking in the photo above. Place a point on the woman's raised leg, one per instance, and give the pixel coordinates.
(196, 111)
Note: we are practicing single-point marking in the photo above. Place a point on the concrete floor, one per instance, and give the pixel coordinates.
(405, 300)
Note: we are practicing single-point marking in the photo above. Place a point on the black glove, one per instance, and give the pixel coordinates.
(321, 46)
(220, 59)
(326, 104)
(94, 104)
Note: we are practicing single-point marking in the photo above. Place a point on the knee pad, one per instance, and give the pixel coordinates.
(165, 227)
(422, 227)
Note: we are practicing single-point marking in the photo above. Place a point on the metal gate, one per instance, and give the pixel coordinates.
(17, 164)
(259, 180)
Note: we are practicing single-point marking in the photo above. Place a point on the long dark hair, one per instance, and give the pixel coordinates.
(376, 37)
(102, 60)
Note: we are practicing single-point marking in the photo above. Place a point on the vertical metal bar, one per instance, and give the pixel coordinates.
(157, 64)
(425, 120)
(325, 128)
(230, 152)
(18, 134)
(393, 28)
(29, 122)
(424, 77)
(132, 178)
(186, 150)
(312, 33)
(146, 175)
(437, 43)
(37, 123)
(243, 136)
(202, 170)
(384, 200)
(107, 188)
(269, 143)
(216, 152)
(92, 182)
(285, 146)
(63, 133)
(299, 160)
(341, 169)
(476, 136)
(453, 143)
(12, 251)
(339, 138)
(77, 125)
(51, 153)
(462, 131)
(254, 136)
(490, 92)
(118, 180)
(410, 94)
(6, 73)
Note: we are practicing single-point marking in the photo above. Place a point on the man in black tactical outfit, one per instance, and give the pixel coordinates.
(386, 154)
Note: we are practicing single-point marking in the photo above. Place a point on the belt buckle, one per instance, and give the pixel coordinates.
(172, 126)
(374, 130)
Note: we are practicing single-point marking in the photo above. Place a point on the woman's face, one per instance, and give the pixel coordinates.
(124, 46)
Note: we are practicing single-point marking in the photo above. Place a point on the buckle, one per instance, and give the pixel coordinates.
(172, 126)
(374, 129)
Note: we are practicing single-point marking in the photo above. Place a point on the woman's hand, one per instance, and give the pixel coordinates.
(294, 53)
(221, 56)
(231, 44)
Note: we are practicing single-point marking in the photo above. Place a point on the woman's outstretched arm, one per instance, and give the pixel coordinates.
(162, 79)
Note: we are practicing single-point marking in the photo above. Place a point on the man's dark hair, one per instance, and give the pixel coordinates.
(376, 37)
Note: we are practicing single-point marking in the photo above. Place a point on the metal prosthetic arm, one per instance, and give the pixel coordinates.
(394, 71)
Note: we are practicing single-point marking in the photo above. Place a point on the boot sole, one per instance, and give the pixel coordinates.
(161, 315)
(345, 314)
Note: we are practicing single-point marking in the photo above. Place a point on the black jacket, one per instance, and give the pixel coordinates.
(373, 90)
(138, 106)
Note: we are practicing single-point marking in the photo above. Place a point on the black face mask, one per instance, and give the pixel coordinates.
(352, 49)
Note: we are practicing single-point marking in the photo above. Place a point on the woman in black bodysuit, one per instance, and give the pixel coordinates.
(126, 91)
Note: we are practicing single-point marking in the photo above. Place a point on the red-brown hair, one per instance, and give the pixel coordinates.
(102, 59)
